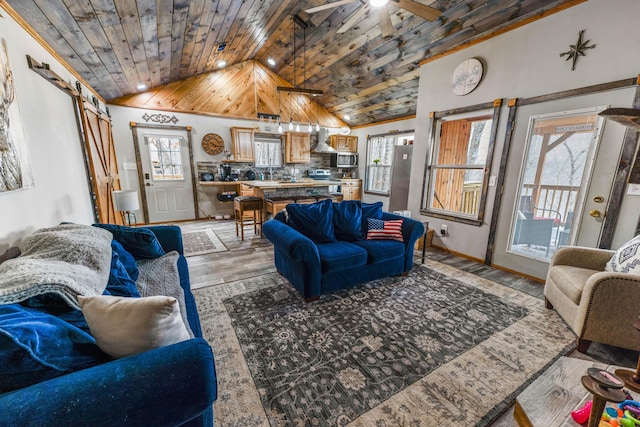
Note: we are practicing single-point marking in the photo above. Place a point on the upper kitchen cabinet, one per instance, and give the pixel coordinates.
(242, 144)
(297, 147)
(344, 143)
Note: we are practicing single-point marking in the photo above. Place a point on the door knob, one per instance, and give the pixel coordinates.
(148, 184)
(595, 213)
(598, 199)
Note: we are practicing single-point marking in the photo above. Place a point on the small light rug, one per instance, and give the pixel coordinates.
(201, 242)
(439, 345)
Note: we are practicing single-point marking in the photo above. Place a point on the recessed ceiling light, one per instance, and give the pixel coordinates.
(222, 64)
(347, 117)
(141, 86)
(377, 3)
(271, 62)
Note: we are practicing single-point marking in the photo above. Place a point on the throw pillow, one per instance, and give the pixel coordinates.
(160, 276)
(139, 242)
(125, 326)
(120, 284)
(385, 230)
(627, 258)
(314, 220)
(347, 220)
(126, 259)
(36, 346)
(369, 210)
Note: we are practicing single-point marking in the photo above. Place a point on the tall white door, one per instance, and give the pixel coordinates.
(167, 176)
(543, 210)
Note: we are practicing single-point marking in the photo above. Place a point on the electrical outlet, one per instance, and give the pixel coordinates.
(444, 229)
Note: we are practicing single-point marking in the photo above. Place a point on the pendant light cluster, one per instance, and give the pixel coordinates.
(295, 90)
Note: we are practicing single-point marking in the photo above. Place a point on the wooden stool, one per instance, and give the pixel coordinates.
(320, 197)
(248, 211)
(303, 200)
(338, 197)
(275, 204)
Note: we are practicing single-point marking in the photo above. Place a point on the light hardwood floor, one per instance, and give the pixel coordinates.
(254, 256)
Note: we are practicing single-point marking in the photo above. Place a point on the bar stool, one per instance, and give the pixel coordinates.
(338, 197)
(275, 204)
(248, 211)
(303, 200)
(320, 197)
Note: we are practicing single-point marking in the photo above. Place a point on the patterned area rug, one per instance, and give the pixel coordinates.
(439, 344)
(201, 242)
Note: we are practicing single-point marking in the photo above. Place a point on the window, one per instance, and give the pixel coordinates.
(460, 165)
(380, 150)
(268, 153)
(165, 153)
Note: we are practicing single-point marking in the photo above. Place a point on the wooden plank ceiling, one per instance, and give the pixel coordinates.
(116, 45)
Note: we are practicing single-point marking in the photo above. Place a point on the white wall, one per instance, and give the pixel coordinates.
(363, 133)
(523, 63)
(61, 190)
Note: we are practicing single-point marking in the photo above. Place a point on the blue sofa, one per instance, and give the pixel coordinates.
(168, 386)
(315, 268)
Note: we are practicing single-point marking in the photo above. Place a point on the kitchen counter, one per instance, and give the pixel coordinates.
(300, 183)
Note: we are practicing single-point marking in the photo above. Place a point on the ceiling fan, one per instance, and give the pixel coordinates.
(427, 12)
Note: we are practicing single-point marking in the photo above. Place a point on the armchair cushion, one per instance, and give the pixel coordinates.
(571, 280)
(627, 258)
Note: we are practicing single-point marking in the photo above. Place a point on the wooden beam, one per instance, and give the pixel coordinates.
(51, 76)
(313, 92)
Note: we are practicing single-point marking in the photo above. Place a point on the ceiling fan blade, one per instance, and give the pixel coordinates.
(427, 12)
(351, 21)
(329, 5)
(385, 21)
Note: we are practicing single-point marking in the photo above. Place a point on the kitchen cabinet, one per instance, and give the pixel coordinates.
(242, 144)
(351, 189)
(344, 143)
(297, 147)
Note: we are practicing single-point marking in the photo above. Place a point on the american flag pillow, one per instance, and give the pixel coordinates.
(384, 230)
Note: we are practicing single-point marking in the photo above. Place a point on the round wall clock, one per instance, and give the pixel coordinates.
(212, 144)
(466, 77)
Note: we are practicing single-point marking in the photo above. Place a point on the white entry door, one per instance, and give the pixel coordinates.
(167, 177)
(559, 177)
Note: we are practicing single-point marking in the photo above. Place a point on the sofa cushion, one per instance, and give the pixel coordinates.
(340, 256)
(347, 220)
(139, 242)
(385, 230)
(314, 220)
(125, 326)
(37, 346)
(571, 280)
(381, 250)
(627, 258)
(369, 210)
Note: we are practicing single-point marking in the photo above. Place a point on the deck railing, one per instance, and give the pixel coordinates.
(552, 201)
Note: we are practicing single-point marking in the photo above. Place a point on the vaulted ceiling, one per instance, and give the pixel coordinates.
(116, 45)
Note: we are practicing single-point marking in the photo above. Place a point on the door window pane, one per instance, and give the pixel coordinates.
(165, 154)
(559, 147)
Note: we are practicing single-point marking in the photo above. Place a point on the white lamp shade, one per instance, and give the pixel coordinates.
(126, 200)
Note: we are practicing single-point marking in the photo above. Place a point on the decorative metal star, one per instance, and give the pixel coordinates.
(577, 50)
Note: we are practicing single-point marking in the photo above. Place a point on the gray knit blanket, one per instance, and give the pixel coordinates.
(67, 260)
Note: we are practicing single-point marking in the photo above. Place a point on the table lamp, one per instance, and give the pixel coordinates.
(126, 201)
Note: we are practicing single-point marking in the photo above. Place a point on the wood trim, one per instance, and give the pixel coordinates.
(143, 192)
(196, 204)
(462, 110)
(616, 196)
(490, 152)
(501, 31)
(11, 12)
(398, 119)
(77, 106)
(500, 181)
(44, 71)
(508, 270)
(587, 90)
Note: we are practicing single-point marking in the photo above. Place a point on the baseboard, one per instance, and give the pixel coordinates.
(481, 261)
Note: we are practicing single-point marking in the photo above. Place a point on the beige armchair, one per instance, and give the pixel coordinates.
(598, 305)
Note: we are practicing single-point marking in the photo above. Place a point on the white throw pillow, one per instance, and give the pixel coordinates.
(123, 326)
(627, 258)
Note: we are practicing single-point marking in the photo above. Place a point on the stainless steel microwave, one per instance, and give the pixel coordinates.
(344, 160)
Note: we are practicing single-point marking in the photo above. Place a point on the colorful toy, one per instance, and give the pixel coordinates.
(582, 415)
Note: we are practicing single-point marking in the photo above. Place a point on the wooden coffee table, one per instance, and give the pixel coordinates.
(549, 400)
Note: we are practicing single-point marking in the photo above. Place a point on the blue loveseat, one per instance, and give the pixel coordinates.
(320, 255)
(167, 386)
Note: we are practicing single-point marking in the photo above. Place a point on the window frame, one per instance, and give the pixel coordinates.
(147, 139)
(395, 135)
(488, 109)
